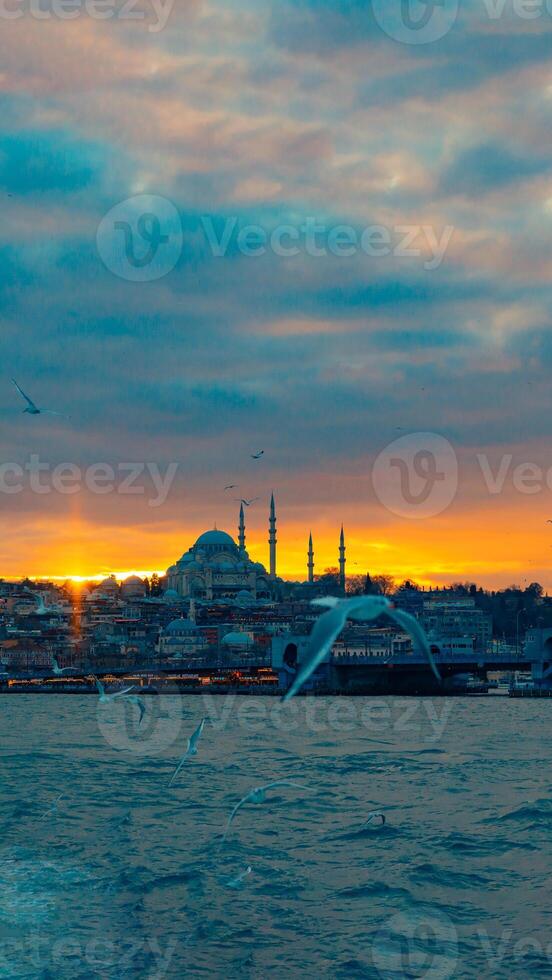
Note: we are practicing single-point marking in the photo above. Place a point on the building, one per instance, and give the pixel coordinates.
(182, 640)
(447, 615)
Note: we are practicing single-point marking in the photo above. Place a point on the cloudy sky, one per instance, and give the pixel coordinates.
(419, 305)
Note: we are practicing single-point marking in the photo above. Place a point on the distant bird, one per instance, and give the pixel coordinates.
(375, 815)
(134, 699)
(109, 698)
(257, 455)
(60, 671)
(257, 795)
(32, 409)
(237, 882)
(549, 522)
(247, 503)
(360, 608)
(52, 808)
(231, 486)
(191, 748)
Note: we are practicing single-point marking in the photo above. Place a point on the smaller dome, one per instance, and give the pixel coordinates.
(237, 640)
(179, 626)
(245, 595)
(171, 595)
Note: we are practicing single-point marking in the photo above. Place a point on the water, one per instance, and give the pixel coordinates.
(125, 878)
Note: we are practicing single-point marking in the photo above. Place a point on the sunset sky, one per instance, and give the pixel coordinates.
(278, 114)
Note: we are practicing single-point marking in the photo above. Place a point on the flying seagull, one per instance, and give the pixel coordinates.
(237, 882)
(109, 698)
(375, 815)
(134, 699)
(32, 409)
(52, 808)
(59, 671)
(257, 795)
(231, 486)
(247, 503)
(360, 608)
(257, 455)
(191, 748)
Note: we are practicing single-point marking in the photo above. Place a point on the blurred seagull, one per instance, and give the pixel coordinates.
(32, 409)
(247, 503)
(360, 608)
(52, 808)
(191, 748)
(257, 455)
(375, 815)
(59, 671)
(231, 486)
(109, 698)
(237, 882)
(257, 795)
(134, 699)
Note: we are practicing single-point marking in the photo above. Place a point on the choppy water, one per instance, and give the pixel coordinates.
(125, 878)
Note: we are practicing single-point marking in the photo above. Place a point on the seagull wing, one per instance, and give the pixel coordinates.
(101, 688)
(48, 411)
(325, 631)
(329, 601)
(121, 694)
(180, 764)
(285, 782)
(234, 812)
(26, 397)
(412, 626)
(197, 735)
(134, 699)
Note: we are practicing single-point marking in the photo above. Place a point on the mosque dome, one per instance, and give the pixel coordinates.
(179, 626)
(171, 595)
(215, 539)
(237, 640)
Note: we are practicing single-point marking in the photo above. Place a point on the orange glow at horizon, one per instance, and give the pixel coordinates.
(468, 547)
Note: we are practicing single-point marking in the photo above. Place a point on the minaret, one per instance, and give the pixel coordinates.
(272, 537)
(241, 531)
(342, 559)
(310, 564)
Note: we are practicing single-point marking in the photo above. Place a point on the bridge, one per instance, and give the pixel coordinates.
(404, 671)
